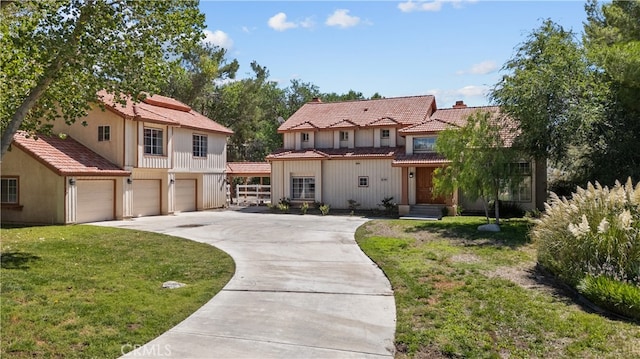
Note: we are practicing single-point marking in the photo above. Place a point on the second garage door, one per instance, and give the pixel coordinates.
(95, 201)
(146, 198)
(185, 199)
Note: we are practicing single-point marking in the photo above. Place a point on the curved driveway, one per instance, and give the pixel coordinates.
(302, 289)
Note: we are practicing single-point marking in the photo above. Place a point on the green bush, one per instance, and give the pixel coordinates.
(304, 207)
(613, 295)
(324, 209)
(595, 233)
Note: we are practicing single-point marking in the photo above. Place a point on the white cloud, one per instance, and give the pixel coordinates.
(342, 19)
(411, 6)
(471, 94)
(482, 68)
(218, 38)
(279, 22)
(307, 23)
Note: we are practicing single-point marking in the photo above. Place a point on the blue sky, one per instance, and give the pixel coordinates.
(451, 49)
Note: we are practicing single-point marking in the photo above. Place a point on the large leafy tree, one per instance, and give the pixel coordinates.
(57, 54)
(480, 157)
(544, 90)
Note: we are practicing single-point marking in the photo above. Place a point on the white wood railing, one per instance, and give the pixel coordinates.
(253, 194)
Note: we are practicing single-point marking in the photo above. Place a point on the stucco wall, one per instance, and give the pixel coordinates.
(41, 192)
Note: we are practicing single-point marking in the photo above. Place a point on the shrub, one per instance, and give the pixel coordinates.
(353, 204)
(613, 295)
(595, 233)
(389, 206)
(284, 204)
(324, 209)
(304, 207)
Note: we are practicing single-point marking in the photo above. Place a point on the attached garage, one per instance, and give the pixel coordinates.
(185, 195)
(146, 198)
(95, 200)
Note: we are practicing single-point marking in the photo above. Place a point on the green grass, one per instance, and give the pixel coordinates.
(462, 293)
(84, 291)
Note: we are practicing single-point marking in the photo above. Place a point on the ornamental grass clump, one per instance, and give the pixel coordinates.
(594, 234)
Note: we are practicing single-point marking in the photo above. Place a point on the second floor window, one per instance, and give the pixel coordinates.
(9, 190)
(384, 134)
(305, 137)
(424, 144)
(199, 146)
(104, 133)
(153, 140)
(344, 136)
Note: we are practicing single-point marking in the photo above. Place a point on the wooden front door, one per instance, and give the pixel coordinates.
(424, 186)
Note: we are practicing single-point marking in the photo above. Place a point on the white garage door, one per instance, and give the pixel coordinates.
(185, 196)
(95, 200)
(146, 197)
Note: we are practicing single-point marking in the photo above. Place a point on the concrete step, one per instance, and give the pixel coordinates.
(425, 211)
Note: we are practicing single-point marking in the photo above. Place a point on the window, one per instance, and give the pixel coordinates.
(9, 190)
(344, 136)
(305, 137)
(199, 146)
(363, 181)
(104, 133)
(521, 191)
(424, 144)
(303, 188)
(153, 141)
(384, 134)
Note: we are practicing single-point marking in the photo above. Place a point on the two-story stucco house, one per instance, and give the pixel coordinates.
(154, 157)
(366, 151)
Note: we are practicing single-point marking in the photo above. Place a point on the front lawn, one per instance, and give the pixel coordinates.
(463, 293)
(84, 291)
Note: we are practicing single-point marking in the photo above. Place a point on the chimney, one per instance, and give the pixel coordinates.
(460, 104)
(316, 100)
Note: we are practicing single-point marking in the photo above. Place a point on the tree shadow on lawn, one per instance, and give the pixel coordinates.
(16, 260)
(513, 233)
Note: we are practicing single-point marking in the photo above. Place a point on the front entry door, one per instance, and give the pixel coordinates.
(424, 186)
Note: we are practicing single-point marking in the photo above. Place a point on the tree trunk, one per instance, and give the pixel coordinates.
(497, 207)
(485, 205)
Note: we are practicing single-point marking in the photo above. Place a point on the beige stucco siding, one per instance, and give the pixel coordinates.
(41, 192)
(340, 182)
(113, 150)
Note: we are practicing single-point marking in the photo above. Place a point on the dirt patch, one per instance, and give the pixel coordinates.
(465, 258)
(528, 276)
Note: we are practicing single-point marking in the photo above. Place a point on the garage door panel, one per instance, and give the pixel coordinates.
(185, 195)
(95, 200)
(146, 198)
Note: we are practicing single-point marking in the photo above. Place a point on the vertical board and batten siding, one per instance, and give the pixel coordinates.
(213, 189)
(133, 150)
(283, 171)
(289, 140)
(324, 139)
(364, 138)
(308, 144)
(340, 182)
(183, 159)
(155, 161)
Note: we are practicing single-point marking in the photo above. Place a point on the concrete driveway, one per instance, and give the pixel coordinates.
(302, 289)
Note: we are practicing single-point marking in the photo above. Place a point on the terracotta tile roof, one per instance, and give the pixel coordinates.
(402, 110)
(384, 122)
(404, 160)
(66, 157)
(249, 168)
(343, 124)
(305, 126)
(163, 110)
(458, 116)
(334, 153)
(428, 126)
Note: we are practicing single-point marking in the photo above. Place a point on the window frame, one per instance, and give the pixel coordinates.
(307, 188)
(304, 136)
(344, 136)
(104, 133)
(522, 192)
(5, 200)
(150, 149)
(363, 181)
(383, 132)
(428, 147)
(199, 145)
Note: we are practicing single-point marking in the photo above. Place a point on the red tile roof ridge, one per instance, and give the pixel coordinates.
(166, 102)
(368, 100)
